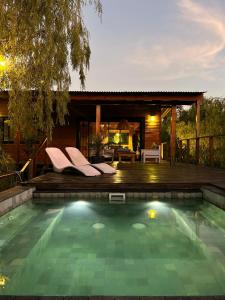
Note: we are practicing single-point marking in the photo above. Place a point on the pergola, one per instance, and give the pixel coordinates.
(101, 106)
(124, 104)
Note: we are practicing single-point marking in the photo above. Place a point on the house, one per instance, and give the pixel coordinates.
(121, 117)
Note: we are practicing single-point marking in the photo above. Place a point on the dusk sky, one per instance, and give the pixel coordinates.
(151, 45)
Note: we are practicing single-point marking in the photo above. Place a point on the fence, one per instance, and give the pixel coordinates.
(205, 150)
(8, 180)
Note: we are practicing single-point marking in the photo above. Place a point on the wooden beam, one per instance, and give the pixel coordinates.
(98, 119)
(165, 112)
(197, 130)
(197, 119)
(17, 142)
(173, 136)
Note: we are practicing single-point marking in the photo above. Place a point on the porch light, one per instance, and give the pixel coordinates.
(152, 119)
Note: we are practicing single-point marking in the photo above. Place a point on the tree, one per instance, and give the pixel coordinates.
(39, 39)
(212, 117)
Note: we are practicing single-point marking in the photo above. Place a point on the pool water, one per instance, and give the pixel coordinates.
(89, 248)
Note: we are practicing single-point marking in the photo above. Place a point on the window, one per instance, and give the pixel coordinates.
(5, 131)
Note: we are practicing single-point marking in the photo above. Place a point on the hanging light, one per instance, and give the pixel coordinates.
(123, 125)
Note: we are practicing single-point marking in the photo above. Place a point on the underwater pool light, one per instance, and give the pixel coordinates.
(80, 203)
(3, 281)
(152, 213)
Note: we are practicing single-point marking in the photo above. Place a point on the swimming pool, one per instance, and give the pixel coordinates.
(93, 248)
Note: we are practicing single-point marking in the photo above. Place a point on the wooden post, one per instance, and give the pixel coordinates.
(197, 130)
(211, 150)
(173, 136)
(188, 150)
(180, 150)
(197, 150)
(197, 119)
(17, 140)
(98, 119)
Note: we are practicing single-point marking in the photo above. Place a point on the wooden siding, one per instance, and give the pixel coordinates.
(84, 138)
(152, 133)
(133, 105)
(63, 136)
(3, 107)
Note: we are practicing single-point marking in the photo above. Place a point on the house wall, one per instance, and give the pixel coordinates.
(63, 136)
(67, 135)
(152, 131)
(3, 107)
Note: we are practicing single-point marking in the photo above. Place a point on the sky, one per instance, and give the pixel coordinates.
(157, 45)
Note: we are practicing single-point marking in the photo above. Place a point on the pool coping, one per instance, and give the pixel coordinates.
(13, 197)
(214, 195)
(222, 297)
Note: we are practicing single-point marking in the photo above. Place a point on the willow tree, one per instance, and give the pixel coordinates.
(40, 39)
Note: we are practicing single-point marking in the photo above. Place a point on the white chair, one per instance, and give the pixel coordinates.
(151, 154)
(108, 153)
(61, 162)
(79, 160)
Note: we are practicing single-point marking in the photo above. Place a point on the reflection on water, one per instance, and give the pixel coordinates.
(3, 281)
(86, 248)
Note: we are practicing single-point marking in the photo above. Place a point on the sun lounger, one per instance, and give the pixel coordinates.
(61, 162)
(79, 160)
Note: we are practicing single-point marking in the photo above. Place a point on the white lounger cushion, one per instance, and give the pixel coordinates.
(61, 162)
(104, 168)
(79, 160)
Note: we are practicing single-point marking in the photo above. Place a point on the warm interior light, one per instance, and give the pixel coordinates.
(116, 138)
(152, 119)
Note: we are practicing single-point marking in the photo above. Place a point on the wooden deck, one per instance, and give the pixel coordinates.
(135, 177)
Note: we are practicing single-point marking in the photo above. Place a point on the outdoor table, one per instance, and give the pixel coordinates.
(130, 155)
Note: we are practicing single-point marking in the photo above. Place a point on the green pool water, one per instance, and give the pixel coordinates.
(86, 248)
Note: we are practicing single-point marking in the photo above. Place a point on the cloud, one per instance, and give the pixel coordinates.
(187, 55)
(209, 21)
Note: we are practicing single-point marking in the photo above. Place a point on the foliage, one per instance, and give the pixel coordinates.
(40, 39)
(212, 124)
(7, 182)
(186, 123)
(212, 119)
(97, 144)
(6, 162)
(165, 130)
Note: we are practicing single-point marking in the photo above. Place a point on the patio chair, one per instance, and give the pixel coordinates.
(79, 160)
(60, 162)
(108, 154)
(151, 153)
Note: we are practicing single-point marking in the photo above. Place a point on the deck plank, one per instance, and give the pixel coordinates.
(135, 177)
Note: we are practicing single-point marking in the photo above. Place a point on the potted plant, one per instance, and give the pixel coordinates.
(97, 145)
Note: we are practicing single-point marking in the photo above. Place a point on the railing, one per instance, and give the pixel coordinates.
(31, 162)
(205, 150)
(7, 181)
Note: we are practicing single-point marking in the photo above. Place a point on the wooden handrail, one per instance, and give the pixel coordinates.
(7, 175)
(39, 148)
(202, 137)
(210, 142)
(25, 165)
(32, 158)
